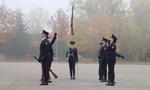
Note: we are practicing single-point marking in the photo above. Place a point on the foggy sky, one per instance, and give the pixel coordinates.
(27, 5)
(51, 5)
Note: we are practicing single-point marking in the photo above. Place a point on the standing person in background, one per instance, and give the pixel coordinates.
(104, 60)
(100, 55)
(72, 55)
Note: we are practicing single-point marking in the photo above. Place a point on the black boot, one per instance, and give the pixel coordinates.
(110, 84)
(73, 78)
(100, 78)
(49, 81)
(104, 79)
(44, 83)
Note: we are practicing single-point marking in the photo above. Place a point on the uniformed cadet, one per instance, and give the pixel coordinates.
(100, 52)
(45, 57)
(72, 55)
(102, 62)
(111, 61)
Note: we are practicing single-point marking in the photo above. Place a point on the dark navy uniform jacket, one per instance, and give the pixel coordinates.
(112, 52)
(72, 54)
(102, 53)
(46, 51)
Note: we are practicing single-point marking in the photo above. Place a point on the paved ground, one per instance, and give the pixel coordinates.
(25, 76)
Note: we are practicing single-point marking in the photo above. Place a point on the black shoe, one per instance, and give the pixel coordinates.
(110, 84)
(73, 78)
(44, 83)
(103, 80)
(49, 81)
(100, 79)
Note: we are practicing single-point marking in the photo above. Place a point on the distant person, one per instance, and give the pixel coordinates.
(46, 56)
(72, 55)
(100, 56)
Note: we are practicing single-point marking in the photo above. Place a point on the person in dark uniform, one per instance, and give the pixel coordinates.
(72, 55)
(111, 61)
(100, 55)
(103, 62)
(45, 57)
(100, 52)
(51, 54)
(111, 54)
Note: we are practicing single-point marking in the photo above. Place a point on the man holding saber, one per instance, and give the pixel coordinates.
(46, 56)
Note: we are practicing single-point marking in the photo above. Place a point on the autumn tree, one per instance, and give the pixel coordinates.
(59, 23)
(95, 19)
(37, 20)
(20, 45)
(140, 13)
(7, 23)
